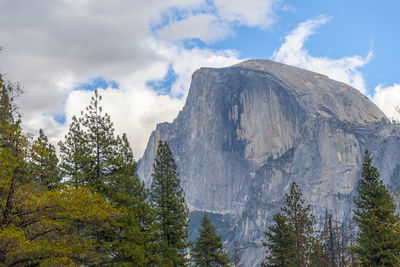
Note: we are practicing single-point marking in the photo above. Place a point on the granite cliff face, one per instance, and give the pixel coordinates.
(247, 131)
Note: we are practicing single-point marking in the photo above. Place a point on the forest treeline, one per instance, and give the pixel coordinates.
(372, 238)
(86, 206)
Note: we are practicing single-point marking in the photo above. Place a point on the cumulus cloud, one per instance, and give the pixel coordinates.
(388, 99)
(213, 20)
(293, 52)
(185, 61)
(53, 46)
(250, 13)
(133, 111)
(205, 27)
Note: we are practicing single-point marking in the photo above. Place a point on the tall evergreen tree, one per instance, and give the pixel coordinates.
(377, 244)
(292, 233)
(208, 249)
(92, 156)
(44, 162)
(99, 136)
(74, 154)
(169, 202)
(280, 242)
(301, 222)
(135, 234)
(90, 148)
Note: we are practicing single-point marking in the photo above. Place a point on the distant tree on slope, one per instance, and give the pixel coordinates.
(290, 241)
(335, 242)
(378, 244)
(208, 249)
(236, 254)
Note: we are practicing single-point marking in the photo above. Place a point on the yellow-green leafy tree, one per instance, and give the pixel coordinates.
(39, 226)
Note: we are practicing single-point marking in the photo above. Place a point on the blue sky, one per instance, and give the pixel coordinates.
(141, 54)
(355, 28)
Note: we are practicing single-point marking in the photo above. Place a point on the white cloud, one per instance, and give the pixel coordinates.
(387, 99)
(213, 22)
(250, 13)
(185, 61)
(205, 27)
(51, 46)
(344, 69)
(135, 112)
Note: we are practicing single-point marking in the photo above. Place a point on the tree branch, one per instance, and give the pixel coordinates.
(42, 233)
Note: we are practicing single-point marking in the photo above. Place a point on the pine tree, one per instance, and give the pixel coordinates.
(90, 147)
(208, 249)
(44, 162)
(92, 156)
(99, 136)
(377, 244)
(135, 237)
(280, 243)
(171, 212)
(301, 222)
(292, 233)
(74, 154)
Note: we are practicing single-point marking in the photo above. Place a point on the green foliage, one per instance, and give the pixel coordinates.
(89, 149)
(301, 223)
(92, 156)
(44, 162)
(280, 243)
(40, 226)
(102, 145)
(50, 226)
(8, 110)
(208, 249)
(171, 212)
(135, 234)
(378, 244)
(13, 151)
(74, 153)
(290, 241)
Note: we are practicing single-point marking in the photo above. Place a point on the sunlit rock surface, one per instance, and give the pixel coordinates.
(247, 131)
